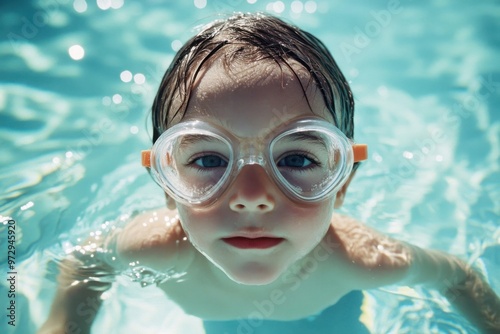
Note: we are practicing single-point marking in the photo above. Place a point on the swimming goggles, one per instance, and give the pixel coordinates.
(308, 158)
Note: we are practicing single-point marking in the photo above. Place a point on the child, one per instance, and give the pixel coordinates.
(253, 128)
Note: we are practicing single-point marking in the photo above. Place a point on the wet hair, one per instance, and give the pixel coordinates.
(250, 38)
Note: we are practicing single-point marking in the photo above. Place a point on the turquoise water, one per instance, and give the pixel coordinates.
(426, 79)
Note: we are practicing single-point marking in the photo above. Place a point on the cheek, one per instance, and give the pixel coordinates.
(313, 215)
(310, 224)
(198, 226)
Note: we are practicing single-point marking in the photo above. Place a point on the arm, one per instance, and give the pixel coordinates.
(84, 276)
(380, 260)
(154, 239)
(464, 288)
(74, 306)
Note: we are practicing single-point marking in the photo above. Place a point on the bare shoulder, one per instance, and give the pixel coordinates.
(368, 247)
(149, 231)
(155, 239)
(379, 259)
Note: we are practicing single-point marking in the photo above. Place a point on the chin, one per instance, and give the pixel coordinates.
(254, 274)
(257, 281)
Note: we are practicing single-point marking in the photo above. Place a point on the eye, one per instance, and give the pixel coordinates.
(295, 161)
(210, 161)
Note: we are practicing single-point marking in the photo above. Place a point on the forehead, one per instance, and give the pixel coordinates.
(252, 98)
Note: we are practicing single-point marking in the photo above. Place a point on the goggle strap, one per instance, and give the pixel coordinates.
(146, 158)
(360, 152)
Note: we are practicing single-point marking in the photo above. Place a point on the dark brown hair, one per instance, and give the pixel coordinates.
(252, 37)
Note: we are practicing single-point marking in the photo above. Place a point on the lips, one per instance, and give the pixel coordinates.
(253, 243)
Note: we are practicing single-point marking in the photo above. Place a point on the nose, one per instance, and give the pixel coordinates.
(252, 191)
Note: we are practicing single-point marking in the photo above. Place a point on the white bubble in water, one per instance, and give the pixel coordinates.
(279, 7)
(139, 78)
(297, 7)
(311, 7)
(200, 4)
(126, 76)
(176, 45)
(80, 6)
(116, 4)
(104, 4)
(117, 99)
(76, 52)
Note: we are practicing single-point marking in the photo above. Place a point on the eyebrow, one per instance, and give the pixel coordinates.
(310, 138)
(190, 139)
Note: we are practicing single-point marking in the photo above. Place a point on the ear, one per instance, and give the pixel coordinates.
(170, 202)
(339, 199)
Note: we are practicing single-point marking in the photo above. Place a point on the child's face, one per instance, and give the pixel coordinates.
(248, 103)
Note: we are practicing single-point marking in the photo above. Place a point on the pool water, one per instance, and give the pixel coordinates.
(77, 81)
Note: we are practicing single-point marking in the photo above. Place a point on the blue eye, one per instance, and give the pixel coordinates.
(210, 161)
(295, 161)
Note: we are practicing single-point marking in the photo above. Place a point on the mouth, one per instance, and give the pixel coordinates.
(253, 243)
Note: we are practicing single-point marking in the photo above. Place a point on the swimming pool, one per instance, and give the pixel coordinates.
(78, 79)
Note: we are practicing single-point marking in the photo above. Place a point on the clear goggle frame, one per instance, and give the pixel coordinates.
(309, 159)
